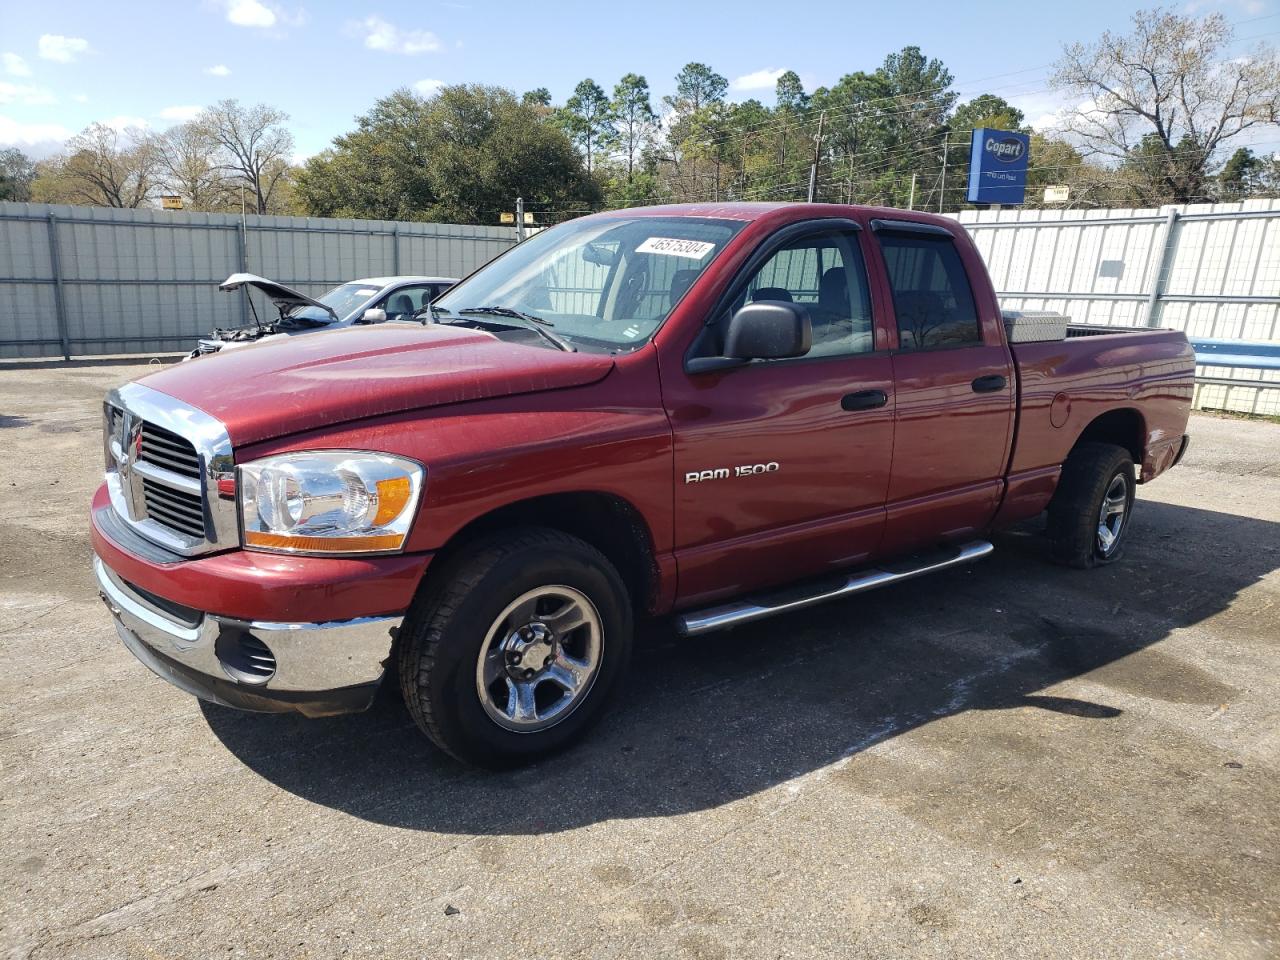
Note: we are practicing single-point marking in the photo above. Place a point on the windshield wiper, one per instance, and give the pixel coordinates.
(508, 312)
(539, 325)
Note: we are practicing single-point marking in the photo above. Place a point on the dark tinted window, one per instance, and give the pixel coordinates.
(931, 294)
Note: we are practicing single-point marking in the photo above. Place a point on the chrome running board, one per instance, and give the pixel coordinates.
(786, 600)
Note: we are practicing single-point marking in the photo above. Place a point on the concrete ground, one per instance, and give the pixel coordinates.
(1010, 760)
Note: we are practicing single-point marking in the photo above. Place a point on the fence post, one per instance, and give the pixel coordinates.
(395, 250)
(59, 304)
(1163, 263)
(242, 235)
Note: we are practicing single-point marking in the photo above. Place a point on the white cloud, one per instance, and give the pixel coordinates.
(428, 87)
(25, 94)
(1045, 112)
(125, 122)
(250, 13)
(388, 38)
(81, 98)
(765, 79)
(180, 114)
(15, 66)
(46, 137)
(218, 70)
(54, 46)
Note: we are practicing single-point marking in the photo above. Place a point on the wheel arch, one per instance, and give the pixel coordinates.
(610, 523)
(1124, 426)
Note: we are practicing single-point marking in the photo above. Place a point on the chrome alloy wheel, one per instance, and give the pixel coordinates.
(1111, 517)
(539, 658)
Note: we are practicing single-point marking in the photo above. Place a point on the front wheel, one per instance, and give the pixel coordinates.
(517, 650)
(1089, 514)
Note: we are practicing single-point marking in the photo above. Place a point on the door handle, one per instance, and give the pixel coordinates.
(989, 384)
(864, 400)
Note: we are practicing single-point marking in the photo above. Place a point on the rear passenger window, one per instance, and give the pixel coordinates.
(931, 294)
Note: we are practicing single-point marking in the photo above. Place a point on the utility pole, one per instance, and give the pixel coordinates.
(942, 192)
(817, 152)
(519, 218)
(911, 203)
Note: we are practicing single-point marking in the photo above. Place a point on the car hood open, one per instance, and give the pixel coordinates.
(283, 297)
(289, 385)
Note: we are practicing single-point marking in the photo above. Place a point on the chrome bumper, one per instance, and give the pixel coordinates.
(316, 669)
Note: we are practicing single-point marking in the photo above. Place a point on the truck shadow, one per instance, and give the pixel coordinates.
(710, 721)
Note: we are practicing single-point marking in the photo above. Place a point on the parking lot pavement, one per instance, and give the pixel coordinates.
(1010, 760)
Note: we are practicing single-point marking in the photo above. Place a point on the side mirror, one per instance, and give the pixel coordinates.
(766, 330)
(374, 315)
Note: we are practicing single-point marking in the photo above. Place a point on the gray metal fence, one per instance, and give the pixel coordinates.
(1212, 270)
(80, 281)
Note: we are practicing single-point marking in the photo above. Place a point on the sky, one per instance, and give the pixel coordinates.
(65, 64)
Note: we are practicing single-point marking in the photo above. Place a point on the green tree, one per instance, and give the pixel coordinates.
(1156, 173)
(1241, 175)
(633, 117)
(697, 86)
(587, 118)
(537, 97)
(883, 128)
(16, 173)
(380, 170)
(790, 93)
(461, 156)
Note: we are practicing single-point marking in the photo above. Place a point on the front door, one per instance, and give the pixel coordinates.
(955, 394)
(782, 466)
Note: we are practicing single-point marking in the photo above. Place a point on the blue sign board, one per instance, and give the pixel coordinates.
(998, 166)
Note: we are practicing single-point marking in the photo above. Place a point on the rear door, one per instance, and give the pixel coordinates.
(782, 465)
(953, 380)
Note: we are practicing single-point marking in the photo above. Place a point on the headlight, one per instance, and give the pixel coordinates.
(335, 501)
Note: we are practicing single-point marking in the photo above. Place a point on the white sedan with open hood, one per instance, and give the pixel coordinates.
(372, 300)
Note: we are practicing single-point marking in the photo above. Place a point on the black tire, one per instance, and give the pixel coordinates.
(1091, 472)
(450, 622)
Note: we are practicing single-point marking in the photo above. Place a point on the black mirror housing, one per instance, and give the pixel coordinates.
(769, 330)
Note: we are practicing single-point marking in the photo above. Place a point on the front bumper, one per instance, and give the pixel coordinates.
(317, 669)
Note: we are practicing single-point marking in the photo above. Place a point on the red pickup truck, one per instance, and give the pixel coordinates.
(717, 412)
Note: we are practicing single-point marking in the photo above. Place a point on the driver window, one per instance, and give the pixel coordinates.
(824, 273)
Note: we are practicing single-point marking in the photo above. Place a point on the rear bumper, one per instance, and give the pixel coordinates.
(1182, 450)
(317, 669)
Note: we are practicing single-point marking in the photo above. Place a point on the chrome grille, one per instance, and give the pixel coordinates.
(168, 450)
(163, 462)
(176, 508)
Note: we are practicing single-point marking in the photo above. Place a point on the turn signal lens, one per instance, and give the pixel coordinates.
(393, 494)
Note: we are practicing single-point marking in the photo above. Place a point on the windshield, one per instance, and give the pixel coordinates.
(343, 300)
(608, 283)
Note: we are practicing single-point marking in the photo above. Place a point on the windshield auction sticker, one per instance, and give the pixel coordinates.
(692, 249)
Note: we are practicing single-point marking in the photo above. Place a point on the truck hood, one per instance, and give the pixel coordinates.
(289, 385)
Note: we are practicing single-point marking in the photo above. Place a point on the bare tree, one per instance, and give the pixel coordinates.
(102, 167)
(1164, 99)
(254, 144)
(189, 157)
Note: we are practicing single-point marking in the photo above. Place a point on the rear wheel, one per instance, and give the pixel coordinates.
(518, 647)
(1089, 514)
